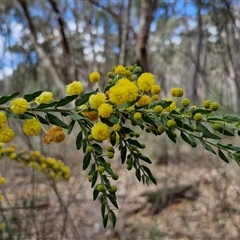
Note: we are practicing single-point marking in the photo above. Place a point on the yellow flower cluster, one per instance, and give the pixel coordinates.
(19, 105)
(120, 70)
(44, 97)
(50, 166)
(74, 88)
(96, 100)
(105, 110)
(54, 134)
(6, 134)
(146, 81)
(123, 91)
(32, 127)
(3, 118)
(177, 92)
(94, 77)
(100, 131)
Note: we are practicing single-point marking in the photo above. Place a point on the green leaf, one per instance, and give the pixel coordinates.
(174, 112)
(94, 179)
(113, 119)
(134, 142)
(98, 149)
(86, 160)
(125, 130)
(41, 119)
(185, 138)
(6, 98)
(225, 132)
(76, 116)
(149, 173)
(95, 193)
(112, 198)
(79, 140)
(206, 132)
(103, 209)
(105, 221)
(30, 97)
(70, 127)
(112, 218)
(222, 156)
(64, 101)
(113, 138)
(163, 103)
(180, 124)
(55, 120)
(109, 170)
(171, 135)
(231, 118)
(84, 98)
(202, 111)
(216, 118)
(148, 120)
(209, 148)
(123, 154)
(144, 158)
(45, 105)
(138, 174)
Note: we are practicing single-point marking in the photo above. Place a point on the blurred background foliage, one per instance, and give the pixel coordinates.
(192, 44)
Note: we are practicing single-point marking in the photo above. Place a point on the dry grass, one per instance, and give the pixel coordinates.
(38, 208)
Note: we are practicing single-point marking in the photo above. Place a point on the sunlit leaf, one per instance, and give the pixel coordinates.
(6, 98)
(30, 97)
(64, 101)
(55, 120)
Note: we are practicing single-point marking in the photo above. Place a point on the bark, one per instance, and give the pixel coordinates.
(124, 37)
(46, 61)
(146, 16)
(196, 67)
(70, 64)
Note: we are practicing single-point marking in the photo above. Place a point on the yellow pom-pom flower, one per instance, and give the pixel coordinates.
(19, 105)
(206, 104)
(144, 100)
(105, 110)
(185, 102)
(177, 92)
(3, 118)
(117, 95)
(100, 131)
(94, 77)
(120, 70)
(6, 134)
(116, 127)
(74, 88)
(137, 116)
(156, 89)
(32, 127)
(44, 97)
(146, 81)
(97, 99)
(129, 88)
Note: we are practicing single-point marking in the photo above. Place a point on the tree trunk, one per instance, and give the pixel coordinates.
(195, 69)
(146, 16)
(47, 63)
(124, 37)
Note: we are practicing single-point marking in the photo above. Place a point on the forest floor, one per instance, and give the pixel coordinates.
(197, 197)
